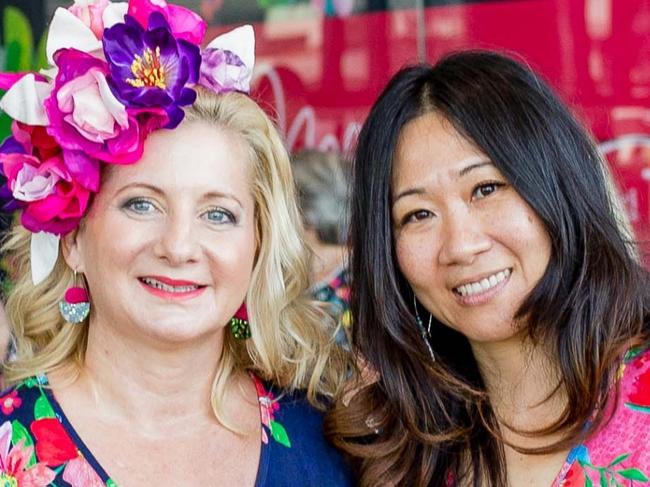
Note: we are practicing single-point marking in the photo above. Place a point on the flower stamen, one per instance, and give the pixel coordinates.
(148, 70)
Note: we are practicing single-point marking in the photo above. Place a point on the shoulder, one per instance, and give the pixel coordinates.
(293, 435)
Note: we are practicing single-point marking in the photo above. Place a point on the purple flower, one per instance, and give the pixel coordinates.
(151, 68)
(223, 71)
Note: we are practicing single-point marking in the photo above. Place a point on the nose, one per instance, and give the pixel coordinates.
(178, 243)
(463, 238)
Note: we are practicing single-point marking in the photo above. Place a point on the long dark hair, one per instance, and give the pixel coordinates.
(423, 420)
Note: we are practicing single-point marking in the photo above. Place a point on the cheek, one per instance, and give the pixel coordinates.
(232, 257)
(114, 242)
(415, 257)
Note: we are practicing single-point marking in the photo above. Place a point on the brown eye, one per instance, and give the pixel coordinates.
(487, 189)
(416, 216)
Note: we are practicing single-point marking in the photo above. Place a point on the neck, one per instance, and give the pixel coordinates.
(521, 383)
(153, 386)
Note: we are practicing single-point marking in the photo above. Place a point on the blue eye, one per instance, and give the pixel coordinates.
(140, 206)
(219, 216)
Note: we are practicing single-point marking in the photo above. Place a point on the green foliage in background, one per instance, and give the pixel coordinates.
(17, 51)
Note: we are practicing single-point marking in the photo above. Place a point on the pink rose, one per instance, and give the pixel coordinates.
(85, 116)
(91, 13)
(34, 182)
(52, 200)
(91, 108)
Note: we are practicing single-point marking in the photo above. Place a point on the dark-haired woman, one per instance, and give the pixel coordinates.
(496, 293)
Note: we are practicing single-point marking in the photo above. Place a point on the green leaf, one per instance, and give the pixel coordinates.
(280, 434)
(633, 474)
(40, 57)
(588, 482)
(603, 479)
(636, 407)
(18, 40)
(43, 408)
(618, 459)
(19, 432)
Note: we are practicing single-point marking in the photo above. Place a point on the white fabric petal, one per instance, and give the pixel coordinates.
(241, 41)
(113, 105)
(24, 100)
(44, 253)
(69, 31)
(114, 14)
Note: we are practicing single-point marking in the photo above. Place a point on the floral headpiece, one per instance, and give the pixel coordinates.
(118, 72)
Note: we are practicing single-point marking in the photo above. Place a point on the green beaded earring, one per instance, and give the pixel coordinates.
(239, 326)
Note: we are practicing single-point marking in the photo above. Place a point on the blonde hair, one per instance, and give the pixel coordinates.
(292, 343)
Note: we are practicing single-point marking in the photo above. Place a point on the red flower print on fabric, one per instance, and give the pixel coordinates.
(639, 398)
(53, 445)
(268, 407)
(10, 402)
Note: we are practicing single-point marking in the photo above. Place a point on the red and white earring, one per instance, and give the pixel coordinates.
(75, 305)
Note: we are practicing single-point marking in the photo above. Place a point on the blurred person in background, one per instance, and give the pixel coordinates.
(497, 297)
(322, 182)
(163, 336)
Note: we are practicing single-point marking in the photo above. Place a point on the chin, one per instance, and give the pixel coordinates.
(179, 332)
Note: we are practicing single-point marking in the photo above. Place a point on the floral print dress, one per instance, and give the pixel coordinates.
(39, 447)
(618, 454)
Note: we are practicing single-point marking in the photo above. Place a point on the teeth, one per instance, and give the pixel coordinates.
(483, 285)
(165, 287)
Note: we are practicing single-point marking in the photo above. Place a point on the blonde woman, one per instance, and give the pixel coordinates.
(156, 376)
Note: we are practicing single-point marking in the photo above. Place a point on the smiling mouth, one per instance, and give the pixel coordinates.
(169, 288)
(484, 285)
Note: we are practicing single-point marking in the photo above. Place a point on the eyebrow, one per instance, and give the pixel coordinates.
(160, 192)
(463, 172)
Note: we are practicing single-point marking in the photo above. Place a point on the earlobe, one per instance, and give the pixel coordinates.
(71, 251)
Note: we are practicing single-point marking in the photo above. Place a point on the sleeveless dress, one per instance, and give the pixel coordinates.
(39, 447)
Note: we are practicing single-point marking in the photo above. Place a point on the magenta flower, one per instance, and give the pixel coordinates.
(184, 23)
(88, 121)
(150, 68)
(14, 463)
(223, 71)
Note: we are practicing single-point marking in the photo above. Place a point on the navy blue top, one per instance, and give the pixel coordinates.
(44, 448)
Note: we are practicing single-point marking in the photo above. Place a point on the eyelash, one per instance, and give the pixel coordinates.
(412, 217)
(492, 184)
(230, 217)
(131, 205)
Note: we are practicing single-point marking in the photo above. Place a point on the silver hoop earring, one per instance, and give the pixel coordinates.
(425, 332)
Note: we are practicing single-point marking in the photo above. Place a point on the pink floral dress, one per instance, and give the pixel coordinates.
(619, 453)
(39, 447)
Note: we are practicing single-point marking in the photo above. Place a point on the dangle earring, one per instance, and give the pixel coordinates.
(425, 332)
(239, 326)
(75, 305)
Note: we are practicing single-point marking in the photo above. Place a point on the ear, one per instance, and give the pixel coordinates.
(71, 249)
